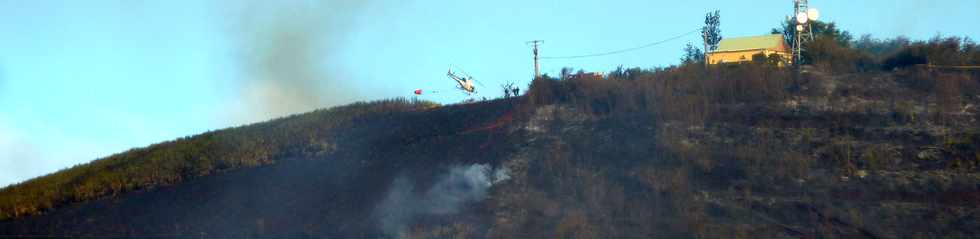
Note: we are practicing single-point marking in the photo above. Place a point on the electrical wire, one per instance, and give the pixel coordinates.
(953, 67)
(623, 50)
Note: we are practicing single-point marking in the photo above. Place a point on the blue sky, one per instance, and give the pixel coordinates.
(80, 80)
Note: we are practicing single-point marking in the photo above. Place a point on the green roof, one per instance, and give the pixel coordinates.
(750, 43)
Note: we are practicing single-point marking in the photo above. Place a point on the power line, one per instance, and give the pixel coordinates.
(624, 50)
(952, 67)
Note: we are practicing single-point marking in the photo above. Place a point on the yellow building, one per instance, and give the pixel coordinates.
(741, 49)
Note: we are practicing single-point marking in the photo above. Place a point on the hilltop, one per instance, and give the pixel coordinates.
(851, 145)
(749, 150)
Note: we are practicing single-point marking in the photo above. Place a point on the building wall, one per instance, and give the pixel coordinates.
(741, 56)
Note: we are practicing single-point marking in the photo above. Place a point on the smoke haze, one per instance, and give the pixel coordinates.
(1, 82)
(284, 57)
(18, 158)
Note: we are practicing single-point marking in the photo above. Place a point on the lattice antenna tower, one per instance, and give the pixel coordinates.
(803, 16)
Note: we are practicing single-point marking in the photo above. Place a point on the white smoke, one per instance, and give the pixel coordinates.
(460, 186)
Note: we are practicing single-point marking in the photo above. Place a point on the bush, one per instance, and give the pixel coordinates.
(879, 49)
(828, 53)
(909, 56)
(687, 93)
(939, 51)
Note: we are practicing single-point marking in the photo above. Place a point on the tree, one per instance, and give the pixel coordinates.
(711, 32)
(820, 30)
(692, 54)
(626, 73)
(566, 72)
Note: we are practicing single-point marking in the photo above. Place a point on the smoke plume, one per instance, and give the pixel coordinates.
(459, 186)
(285, 57)
(19, 159)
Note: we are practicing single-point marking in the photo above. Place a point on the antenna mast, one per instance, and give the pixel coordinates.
(537, 68)
(803, 15)
(797, 48)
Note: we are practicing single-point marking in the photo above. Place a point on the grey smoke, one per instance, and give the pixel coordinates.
(285, 56)
(459, 186)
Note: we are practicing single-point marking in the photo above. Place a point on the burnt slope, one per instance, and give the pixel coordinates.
(739, 151)
(330, 194)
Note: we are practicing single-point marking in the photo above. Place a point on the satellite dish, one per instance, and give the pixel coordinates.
(799, 27)
(801, 18)
(813, 14)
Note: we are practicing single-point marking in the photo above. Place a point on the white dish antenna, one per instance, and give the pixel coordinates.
(799, 27)
(813, 14)
(801, 18)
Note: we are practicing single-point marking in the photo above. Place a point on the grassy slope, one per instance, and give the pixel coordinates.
(300, 136)
(743, 151)
(329, 195)
(294, 190)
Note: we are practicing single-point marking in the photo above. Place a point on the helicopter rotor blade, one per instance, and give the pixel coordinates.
(478, 82)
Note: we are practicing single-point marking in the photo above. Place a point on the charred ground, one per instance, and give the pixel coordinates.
(748, 150)
(328, 185)
(682, 152)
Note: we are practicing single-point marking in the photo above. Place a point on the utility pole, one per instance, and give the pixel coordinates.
(537, 68)
(704, 38)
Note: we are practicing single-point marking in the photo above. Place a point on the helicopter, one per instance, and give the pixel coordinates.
(465, 82)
